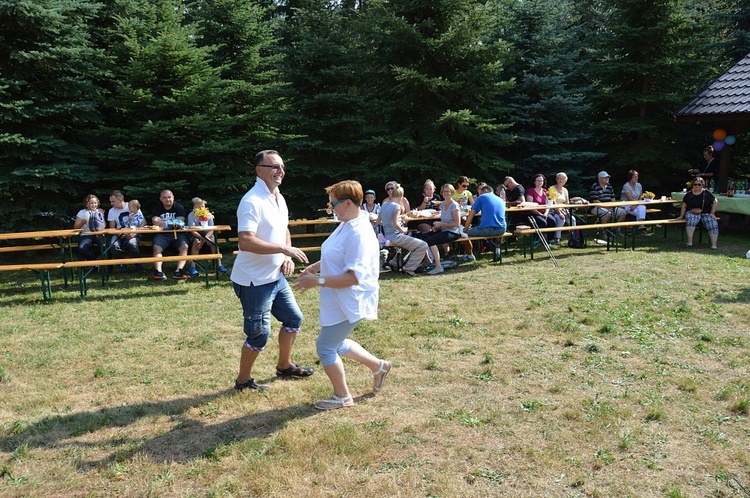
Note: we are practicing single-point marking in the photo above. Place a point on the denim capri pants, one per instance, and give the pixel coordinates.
(259, 303)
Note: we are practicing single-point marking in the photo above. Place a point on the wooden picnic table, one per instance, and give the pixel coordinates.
(61, 245)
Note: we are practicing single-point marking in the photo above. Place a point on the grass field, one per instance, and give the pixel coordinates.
(617, 374)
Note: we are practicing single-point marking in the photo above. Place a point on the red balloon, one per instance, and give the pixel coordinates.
(719, 134)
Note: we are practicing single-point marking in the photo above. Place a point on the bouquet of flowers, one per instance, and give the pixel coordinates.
(202, 214)
(689, 184)
(551, 194)
(648, 195)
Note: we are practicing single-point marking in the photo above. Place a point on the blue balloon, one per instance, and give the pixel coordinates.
(718, 145)
(730, 140)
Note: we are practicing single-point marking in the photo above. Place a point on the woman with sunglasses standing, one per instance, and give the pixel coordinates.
(699, 206)
(347, 275)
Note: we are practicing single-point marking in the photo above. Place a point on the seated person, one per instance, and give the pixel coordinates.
(632, 191)
(135, 216)
(562, 216)
(403, 202)
(492, 224)
(90, 219)
(119, 217)
(393, 231)
(163, 215)
(538, 194)
(428, 199)
(479, 191)
(699, 206)
(372, 208)
(462, 194)
(602, 191)
(198, 240)
(446, 230)
(514, 192)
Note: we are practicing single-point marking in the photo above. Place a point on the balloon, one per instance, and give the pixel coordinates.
(719, 134)
(718, 145)
(730, 140)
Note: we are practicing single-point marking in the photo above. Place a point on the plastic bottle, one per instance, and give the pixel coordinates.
(730, 188)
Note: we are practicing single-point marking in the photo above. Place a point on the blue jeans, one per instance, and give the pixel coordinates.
(259, 302)
(123, 245)
(84, 246)
(486, 232)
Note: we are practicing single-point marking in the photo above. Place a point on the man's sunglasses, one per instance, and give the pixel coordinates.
(276, 167)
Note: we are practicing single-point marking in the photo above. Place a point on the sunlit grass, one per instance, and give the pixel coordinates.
(518, 379)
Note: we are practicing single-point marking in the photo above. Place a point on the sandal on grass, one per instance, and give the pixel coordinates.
(385, 367)
(294, 371)
(334, 403)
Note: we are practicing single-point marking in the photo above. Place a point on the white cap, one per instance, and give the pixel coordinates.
(603, 174)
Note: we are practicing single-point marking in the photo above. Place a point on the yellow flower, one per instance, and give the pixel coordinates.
(203, 214)
(648, 195)
(551, 194)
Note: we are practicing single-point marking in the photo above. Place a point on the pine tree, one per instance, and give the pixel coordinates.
(649, 60)
(550, 103)
(326, 111)
(47, 66)
(167, 123)
(431, 72)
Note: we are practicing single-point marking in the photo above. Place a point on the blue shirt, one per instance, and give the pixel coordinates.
(492, 209)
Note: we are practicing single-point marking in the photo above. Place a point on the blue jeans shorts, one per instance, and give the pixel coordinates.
(259, 302)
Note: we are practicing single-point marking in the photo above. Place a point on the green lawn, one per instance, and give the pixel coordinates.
(616, 374)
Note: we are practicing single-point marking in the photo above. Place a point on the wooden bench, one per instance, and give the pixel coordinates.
(86, 267)
(610, 229)
(42, 270)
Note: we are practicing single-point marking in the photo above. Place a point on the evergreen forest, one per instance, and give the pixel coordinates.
(142, 95)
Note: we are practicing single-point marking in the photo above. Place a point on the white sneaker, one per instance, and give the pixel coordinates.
(466, 258)
(436, 271)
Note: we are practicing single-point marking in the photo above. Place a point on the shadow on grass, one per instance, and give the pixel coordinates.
(188, 440)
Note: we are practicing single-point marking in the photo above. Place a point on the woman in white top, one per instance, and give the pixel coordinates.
(632, 191)
(561, 215)
(347, 275)
(90, 219)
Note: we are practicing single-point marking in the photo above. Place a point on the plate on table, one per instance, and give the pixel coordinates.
(426, 213)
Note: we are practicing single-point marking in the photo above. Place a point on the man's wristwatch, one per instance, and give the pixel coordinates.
(321, 281)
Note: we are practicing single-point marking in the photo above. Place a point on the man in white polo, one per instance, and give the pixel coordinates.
(258, 274)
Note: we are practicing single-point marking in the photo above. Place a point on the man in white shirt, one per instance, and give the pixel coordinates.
(117, 217)
(258, 274)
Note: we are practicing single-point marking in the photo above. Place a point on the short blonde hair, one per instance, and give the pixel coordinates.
(134, 204)
(398, 192)
(561, 175)
(198, 200)
(448, 186)
(346, 189)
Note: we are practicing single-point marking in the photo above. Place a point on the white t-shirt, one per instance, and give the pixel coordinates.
(119, 216)
(265, 214)
(352, 246)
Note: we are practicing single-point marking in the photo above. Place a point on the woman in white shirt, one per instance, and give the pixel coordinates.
(632, 191)
(347, 275)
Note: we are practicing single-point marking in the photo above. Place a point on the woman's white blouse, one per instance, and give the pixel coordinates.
(353, 247)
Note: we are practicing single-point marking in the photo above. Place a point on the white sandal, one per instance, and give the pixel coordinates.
(385, 367)
(334, 402)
